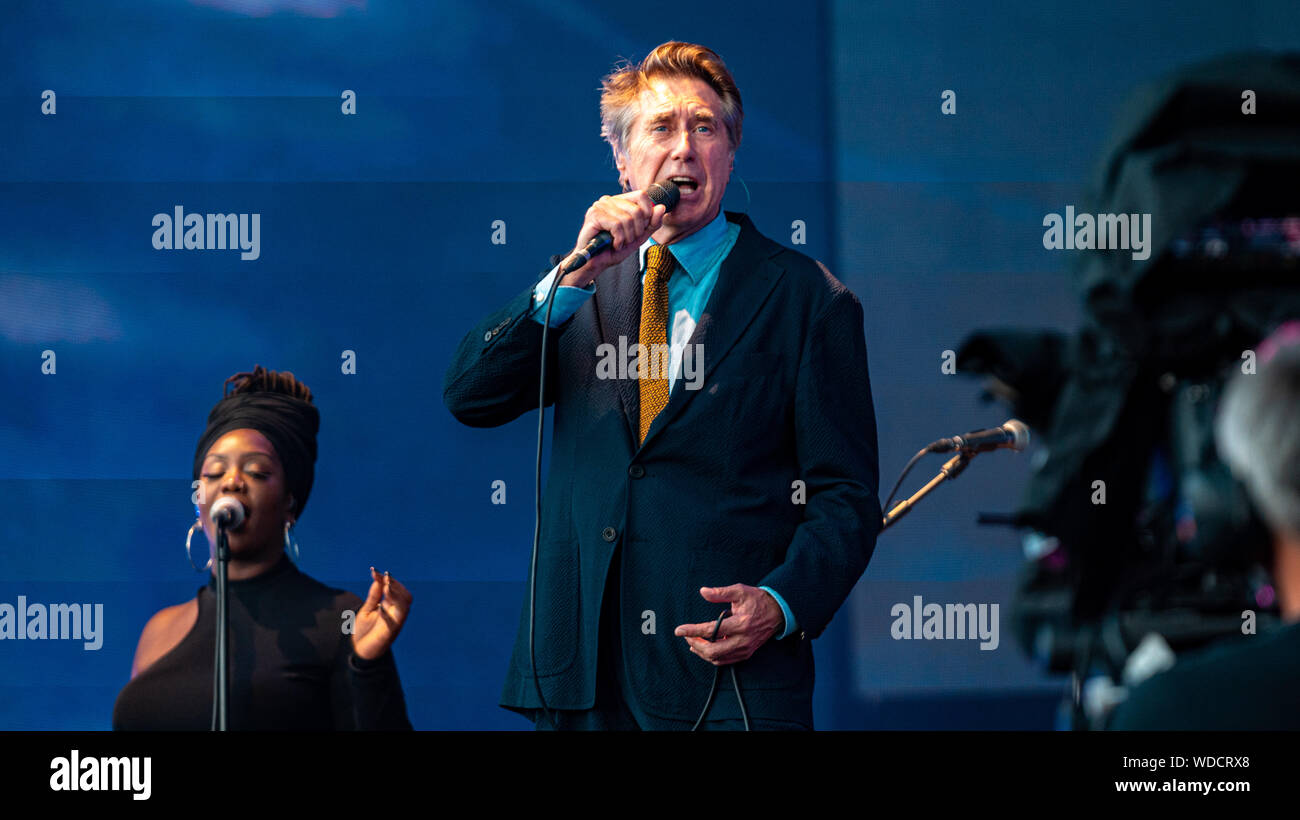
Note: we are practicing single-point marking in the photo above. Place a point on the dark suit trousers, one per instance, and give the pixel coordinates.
(616, 708)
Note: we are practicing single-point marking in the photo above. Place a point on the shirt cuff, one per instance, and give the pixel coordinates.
(567, 299)
(360, 664)
(790, 625)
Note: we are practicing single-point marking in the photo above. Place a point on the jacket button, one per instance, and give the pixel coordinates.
(487, 337)
(636, 471)
(609, 534)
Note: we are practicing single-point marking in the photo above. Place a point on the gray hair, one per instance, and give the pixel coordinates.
(1258, 436)
(619, 89)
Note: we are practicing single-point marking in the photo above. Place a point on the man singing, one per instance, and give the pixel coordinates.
(736, 474)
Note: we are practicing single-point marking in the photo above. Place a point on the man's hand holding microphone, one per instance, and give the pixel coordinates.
(613, 229)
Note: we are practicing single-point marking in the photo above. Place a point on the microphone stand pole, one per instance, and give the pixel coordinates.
(221, 672)
(950, 470)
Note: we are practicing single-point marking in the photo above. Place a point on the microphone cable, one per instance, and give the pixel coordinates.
(910, 464)
(537, 497)
(717, 672)
(662, 193)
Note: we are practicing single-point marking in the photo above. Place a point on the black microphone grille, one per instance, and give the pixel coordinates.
(665, 193)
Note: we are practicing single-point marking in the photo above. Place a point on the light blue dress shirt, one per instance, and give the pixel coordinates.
(699, 258)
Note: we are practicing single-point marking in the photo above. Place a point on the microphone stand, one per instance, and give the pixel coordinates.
(950, 470)
(221, 672)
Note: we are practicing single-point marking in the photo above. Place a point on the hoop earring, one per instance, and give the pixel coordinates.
(188, 554)
(290, 547)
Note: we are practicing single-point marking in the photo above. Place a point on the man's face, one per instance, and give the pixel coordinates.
(678, 134)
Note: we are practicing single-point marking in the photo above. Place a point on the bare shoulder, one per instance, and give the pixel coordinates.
(163, 632)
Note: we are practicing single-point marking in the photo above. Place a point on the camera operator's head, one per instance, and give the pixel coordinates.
(1258, 435)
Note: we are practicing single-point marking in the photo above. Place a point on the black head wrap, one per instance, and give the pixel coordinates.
(262, 401)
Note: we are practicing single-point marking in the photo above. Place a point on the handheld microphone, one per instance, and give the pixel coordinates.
(664, 192)
(1013, 435)
(227, 513)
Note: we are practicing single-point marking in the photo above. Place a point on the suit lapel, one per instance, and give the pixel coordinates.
(618, 311)
(745, 280)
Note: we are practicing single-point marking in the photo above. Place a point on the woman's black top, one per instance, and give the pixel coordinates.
(291, 665)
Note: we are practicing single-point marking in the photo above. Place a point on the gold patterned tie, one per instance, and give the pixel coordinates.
(652, 364)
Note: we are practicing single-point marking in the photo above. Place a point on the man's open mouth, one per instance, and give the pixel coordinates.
(685, 183)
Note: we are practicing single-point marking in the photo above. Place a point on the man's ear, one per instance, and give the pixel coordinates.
(620, 162)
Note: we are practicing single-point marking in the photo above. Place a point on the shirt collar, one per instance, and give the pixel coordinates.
(694, 252)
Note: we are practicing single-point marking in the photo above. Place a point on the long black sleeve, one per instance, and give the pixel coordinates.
(367, 695)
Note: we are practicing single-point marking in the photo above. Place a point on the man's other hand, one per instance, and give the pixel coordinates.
(755, 618)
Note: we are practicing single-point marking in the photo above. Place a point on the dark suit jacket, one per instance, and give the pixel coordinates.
(709, 498)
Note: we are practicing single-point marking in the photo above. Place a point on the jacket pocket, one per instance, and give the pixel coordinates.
(558, 611)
